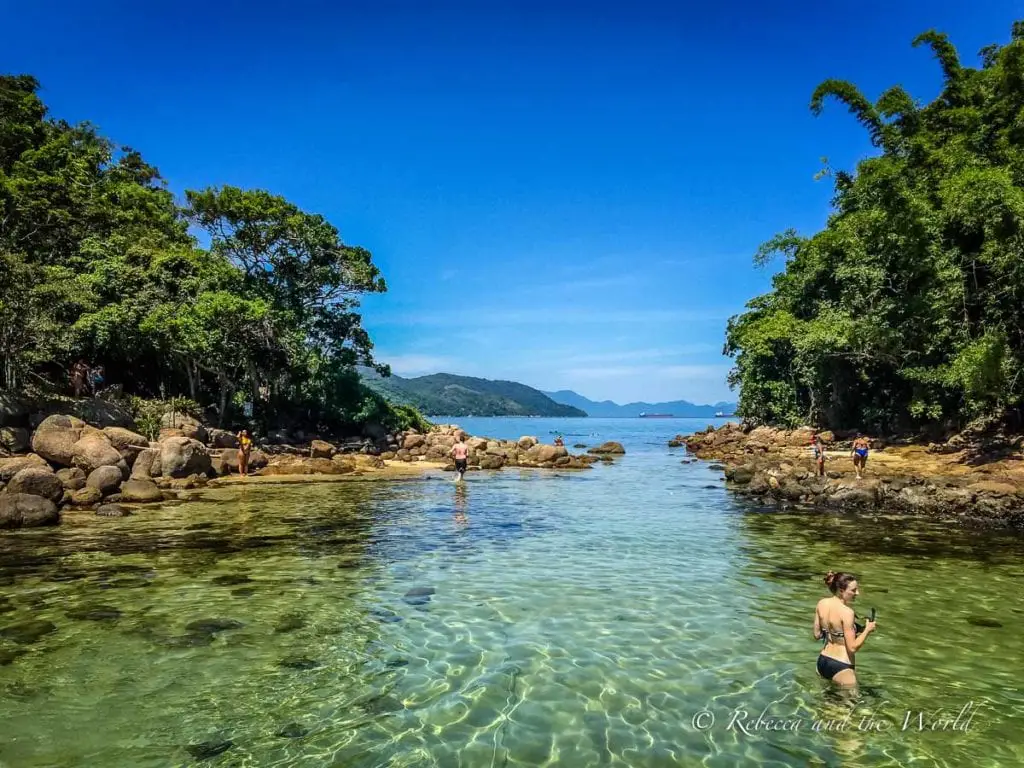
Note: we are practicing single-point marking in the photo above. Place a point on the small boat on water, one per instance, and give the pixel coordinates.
(645, 415)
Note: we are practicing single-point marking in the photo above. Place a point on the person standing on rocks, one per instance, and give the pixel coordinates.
(244, 449)
(461, 453)
(819, 454)
(860, 454)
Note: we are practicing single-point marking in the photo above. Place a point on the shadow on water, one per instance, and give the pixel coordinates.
(913, 538)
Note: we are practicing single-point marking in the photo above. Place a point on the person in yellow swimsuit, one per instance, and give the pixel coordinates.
(244, 449)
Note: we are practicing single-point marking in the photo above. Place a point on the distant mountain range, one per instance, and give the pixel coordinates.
(444, 394)
(606, 408)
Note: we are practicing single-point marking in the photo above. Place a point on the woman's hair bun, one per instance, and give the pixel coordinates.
(829, 578)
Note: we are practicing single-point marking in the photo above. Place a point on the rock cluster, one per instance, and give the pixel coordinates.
(66, 462)
(485, 453)
(776, 466)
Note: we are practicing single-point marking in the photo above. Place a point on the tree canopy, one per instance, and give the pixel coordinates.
(908, 307)
(98, 261)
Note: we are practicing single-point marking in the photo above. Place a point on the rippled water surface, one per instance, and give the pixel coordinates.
(600, 618)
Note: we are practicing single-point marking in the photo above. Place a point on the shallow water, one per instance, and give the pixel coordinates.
(524, 618)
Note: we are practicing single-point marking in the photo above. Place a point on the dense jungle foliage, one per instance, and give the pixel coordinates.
(100, 263)
(908, 308)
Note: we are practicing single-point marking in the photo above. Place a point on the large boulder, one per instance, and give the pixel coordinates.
(127, 443)
(526, 442)
(14, 440)
(321, 449)
(22, 510)
(297, 465)
(183, 456)
(221, 438)
(609, 448)
(543, 454)
(147, 464)
(55, 438)
(491, 462)
(105, 479)
(72, 478)
(186, 425)
(12, 466)
(37, 482)
(229, 461)
(94, 450)
(140, 491)
(413, 440)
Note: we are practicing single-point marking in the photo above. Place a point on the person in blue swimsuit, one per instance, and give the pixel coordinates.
(860, 454)
(834, 625)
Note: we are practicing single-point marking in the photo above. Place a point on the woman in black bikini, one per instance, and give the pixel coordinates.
(834, 626)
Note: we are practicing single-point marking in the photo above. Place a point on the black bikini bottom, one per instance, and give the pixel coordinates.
(829, 668)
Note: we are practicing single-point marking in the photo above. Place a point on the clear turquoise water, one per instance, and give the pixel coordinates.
(526, 618)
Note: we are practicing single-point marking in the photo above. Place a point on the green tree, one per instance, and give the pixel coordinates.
(908, 308)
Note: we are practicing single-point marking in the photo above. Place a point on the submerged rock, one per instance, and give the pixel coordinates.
(213, 626)
(209, 749)
(299, 662)
(290, 623)
(95, 613)
(28, 632)
(230, 579)
(7, 656)
(244, 592)
(981, 621)
(293, 731)
(418, 595)
(112, 510)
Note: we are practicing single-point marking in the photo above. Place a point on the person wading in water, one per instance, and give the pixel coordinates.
(834, 625)
(860, 454)
(461, 453)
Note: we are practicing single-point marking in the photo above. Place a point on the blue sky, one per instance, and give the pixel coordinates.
(564, 194)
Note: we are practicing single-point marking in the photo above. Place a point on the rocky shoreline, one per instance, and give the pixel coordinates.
(58, 463)
(949, 481)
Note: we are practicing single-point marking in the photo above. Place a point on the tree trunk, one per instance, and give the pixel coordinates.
(224, 393)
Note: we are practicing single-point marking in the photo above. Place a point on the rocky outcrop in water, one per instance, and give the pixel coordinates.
(777, 466)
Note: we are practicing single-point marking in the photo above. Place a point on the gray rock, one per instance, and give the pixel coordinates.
(37, 482)
(147, 464)
(140, 491)
(72, 478)
(126, 442)
(20, 510)
(12, 466)
(105, 479)
(55, 437)
(183, 456)
(94, 450)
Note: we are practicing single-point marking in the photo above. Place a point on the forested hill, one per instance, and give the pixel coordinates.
(444, 394)
(255, 320)
(608, 409)
(907, 310)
